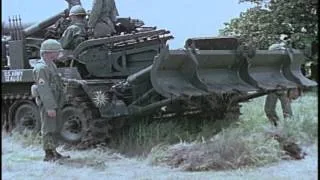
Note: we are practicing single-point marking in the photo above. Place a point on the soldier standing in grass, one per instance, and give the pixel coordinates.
(75, 33)
(49, 94)
(285, 97)
(103, 17)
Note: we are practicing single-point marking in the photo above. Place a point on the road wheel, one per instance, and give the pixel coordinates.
(73, 124)
(25, 115)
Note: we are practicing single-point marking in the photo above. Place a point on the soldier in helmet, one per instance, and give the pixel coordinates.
(76, 32)
(103, 17)
(285, 97)
(49, 95)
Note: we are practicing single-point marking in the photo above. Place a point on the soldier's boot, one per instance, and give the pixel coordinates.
(273, 119)
(60, 156)
(49, 155)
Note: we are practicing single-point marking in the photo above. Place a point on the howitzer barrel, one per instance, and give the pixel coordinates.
(139, 76)
(44, 24)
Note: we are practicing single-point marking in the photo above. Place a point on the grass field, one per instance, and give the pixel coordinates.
(192, 146)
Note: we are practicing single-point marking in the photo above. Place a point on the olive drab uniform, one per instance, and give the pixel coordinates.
(73, 36)
(271, 103)
(50, 97)
(103, 17)
(271, 99)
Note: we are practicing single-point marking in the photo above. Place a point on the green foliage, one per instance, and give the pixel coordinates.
(263, 23)
(142, 135)
(28, 138)
(304, 125)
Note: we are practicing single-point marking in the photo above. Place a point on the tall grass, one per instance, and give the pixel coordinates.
(27, 138)
(229, 149)
(250, 143)
(192, 144)
(143, 135)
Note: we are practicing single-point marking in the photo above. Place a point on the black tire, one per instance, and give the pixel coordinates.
(72, 124)
(25, 115)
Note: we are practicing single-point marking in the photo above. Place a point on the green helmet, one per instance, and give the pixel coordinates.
(77, 10)
(50, 45)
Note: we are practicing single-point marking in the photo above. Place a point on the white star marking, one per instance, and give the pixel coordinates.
(100, 98)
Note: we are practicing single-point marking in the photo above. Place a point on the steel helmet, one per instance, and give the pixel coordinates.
(77, 10)
(50, 45)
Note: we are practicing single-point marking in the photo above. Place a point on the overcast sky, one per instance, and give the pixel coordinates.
(184, 18)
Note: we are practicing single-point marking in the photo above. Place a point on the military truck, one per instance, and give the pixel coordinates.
(134, 73)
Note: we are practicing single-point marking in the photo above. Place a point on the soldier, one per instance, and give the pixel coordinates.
(75, 33)
(270, 106)
(285, 97)
(49, 95)
(103, 17)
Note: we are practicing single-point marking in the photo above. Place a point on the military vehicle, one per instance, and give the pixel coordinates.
(134, 73)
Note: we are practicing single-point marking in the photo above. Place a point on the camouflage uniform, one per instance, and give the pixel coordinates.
(73, 36)
(50, 90)
(271, 103)
(103, 17)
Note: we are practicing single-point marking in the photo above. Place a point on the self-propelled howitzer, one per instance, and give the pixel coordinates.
(128, 78)
(134, 73)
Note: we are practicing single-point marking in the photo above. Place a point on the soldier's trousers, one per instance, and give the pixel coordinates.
(271, 103)
(48, 130)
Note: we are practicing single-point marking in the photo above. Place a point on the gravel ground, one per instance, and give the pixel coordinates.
(19, 162)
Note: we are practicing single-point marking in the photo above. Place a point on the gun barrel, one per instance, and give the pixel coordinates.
(139, 76)
(44, 24)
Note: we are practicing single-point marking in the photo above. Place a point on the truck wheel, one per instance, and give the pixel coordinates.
(73, 124)
(25, 115)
